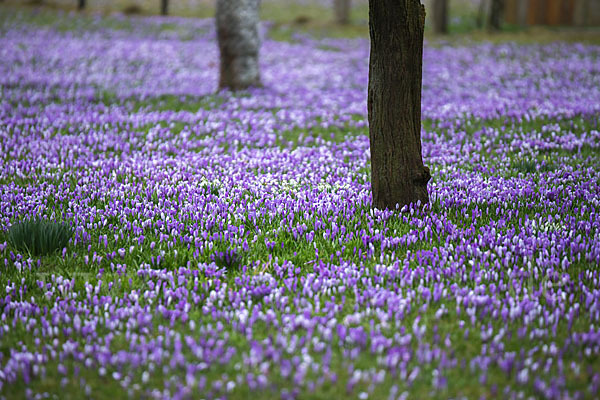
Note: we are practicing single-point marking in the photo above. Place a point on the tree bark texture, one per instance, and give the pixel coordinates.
(237, 34)
(496, 10)
(398, 176)
(440, 16)
(342, 11)
(81, 5)
(164, 7)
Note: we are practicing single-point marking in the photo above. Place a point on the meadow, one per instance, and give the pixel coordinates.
(224, 244)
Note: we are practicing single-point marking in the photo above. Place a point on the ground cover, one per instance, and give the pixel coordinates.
(224, 245)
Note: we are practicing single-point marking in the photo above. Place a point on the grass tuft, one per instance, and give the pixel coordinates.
(228, 259)
(39, 237)
(524, 166)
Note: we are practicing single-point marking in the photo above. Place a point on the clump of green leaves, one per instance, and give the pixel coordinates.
(524, 166)
(211, 188)
(229, 259)
(39, 237)
(531, 166)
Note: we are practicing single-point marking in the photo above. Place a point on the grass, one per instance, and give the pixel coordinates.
(167, 102)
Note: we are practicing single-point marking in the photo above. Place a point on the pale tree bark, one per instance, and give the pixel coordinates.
(398, 176)
(440, 16)
(342, 11)
(581, 13)
(496, 10)
(164, 7)
(481, 15)
(522, 6)
(239, 42)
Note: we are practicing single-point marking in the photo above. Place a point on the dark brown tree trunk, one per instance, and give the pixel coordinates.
(164, 7)
(496, 10)
(342, 11)
(237, 34)
(398, 176)
(440, 16)
(81, 5)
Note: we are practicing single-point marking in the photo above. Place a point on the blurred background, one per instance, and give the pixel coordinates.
(350, 17)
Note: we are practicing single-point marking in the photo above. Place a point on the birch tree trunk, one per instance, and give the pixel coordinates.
(237, 34)
(440, 16)
(482, 13)
(342, 11)
(522, 7)
(398, 176)
(581, 13)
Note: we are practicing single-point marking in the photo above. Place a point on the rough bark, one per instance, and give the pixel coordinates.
(164, 7)
(398, 176)
(237, 34)
(342, 11)
(81, 5)
(440, 16)
(496, 10)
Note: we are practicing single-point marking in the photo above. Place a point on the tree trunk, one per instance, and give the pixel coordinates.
(581, 13)
(522, 12)
(398, 176)
(81, 5)
(237, 34)
(342, 11)
(481, 14)
(440, 16)
(496, 10)
(164, 7)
